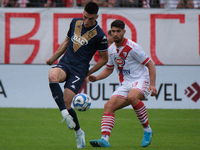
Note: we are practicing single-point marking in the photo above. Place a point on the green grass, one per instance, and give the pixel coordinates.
(39, 129)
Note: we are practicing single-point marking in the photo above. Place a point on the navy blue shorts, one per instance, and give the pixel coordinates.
(74, 80)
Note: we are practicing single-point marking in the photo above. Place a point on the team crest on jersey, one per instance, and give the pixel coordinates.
(90, 35)
(119, 61)
(78, 26)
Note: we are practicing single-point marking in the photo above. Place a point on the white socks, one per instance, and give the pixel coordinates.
(105, 137)
(79, 131)
(64, 112)
(147, 129)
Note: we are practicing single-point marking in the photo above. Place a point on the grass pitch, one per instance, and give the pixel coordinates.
(39, 129)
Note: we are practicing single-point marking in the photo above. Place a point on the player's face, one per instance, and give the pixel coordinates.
(117, 34)
(89, 19)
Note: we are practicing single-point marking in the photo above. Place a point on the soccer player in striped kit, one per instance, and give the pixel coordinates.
(137, 75)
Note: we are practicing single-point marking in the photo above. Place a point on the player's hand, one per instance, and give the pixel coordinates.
(49, 61)
(153, 90)
(87, 79)
(92, 78)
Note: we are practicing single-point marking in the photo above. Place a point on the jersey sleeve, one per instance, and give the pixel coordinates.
(102, 42)
(138, 53)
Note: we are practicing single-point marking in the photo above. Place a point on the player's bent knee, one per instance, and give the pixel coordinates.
(132, 99)
(108, 107)
(52, 78)
(53, 75)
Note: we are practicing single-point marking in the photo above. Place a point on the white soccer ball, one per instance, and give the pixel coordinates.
(81, 102)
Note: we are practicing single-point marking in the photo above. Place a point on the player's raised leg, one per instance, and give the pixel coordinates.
(56, 75)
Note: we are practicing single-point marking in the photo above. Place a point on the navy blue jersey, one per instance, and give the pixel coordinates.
(83, 43)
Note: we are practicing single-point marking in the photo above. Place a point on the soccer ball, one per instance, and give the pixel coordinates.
(81, 102)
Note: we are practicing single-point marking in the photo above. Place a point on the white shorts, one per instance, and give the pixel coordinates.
(141, 84)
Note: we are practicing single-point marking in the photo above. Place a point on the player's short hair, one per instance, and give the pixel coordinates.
(91, 8)
(118, 23)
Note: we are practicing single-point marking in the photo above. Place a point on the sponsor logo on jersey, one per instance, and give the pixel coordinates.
(79, 40)
(104, 42)
(120, 61)
(125, 72)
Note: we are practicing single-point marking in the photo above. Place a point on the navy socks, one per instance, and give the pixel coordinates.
(73, 114)
(57, 95)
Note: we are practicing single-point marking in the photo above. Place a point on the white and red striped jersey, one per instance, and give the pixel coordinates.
(129, 60)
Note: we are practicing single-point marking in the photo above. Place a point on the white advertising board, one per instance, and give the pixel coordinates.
(27, 86)
(168, 36)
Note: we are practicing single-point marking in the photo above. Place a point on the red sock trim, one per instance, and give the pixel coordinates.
(109, 114)
(138, 105)
(105, 133)
(146, 124)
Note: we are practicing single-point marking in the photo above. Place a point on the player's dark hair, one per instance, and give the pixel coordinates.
(118, 23)
(91, 8)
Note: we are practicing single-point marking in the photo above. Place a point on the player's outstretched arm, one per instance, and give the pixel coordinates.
(152, 75)
(105, 73)
(100, 63)
(61, 49)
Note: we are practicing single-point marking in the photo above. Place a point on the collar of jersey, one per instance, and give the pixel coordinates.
(91, 28)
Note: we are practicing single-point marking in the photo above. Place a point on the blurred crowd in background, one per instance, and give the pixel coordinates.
(186, 4)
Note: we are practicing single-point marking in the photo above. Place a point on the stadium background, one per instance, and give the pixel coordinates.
(171, 37)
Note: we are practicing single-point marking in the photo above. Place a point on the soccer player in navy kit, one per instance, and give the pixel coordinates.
(84, 38)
